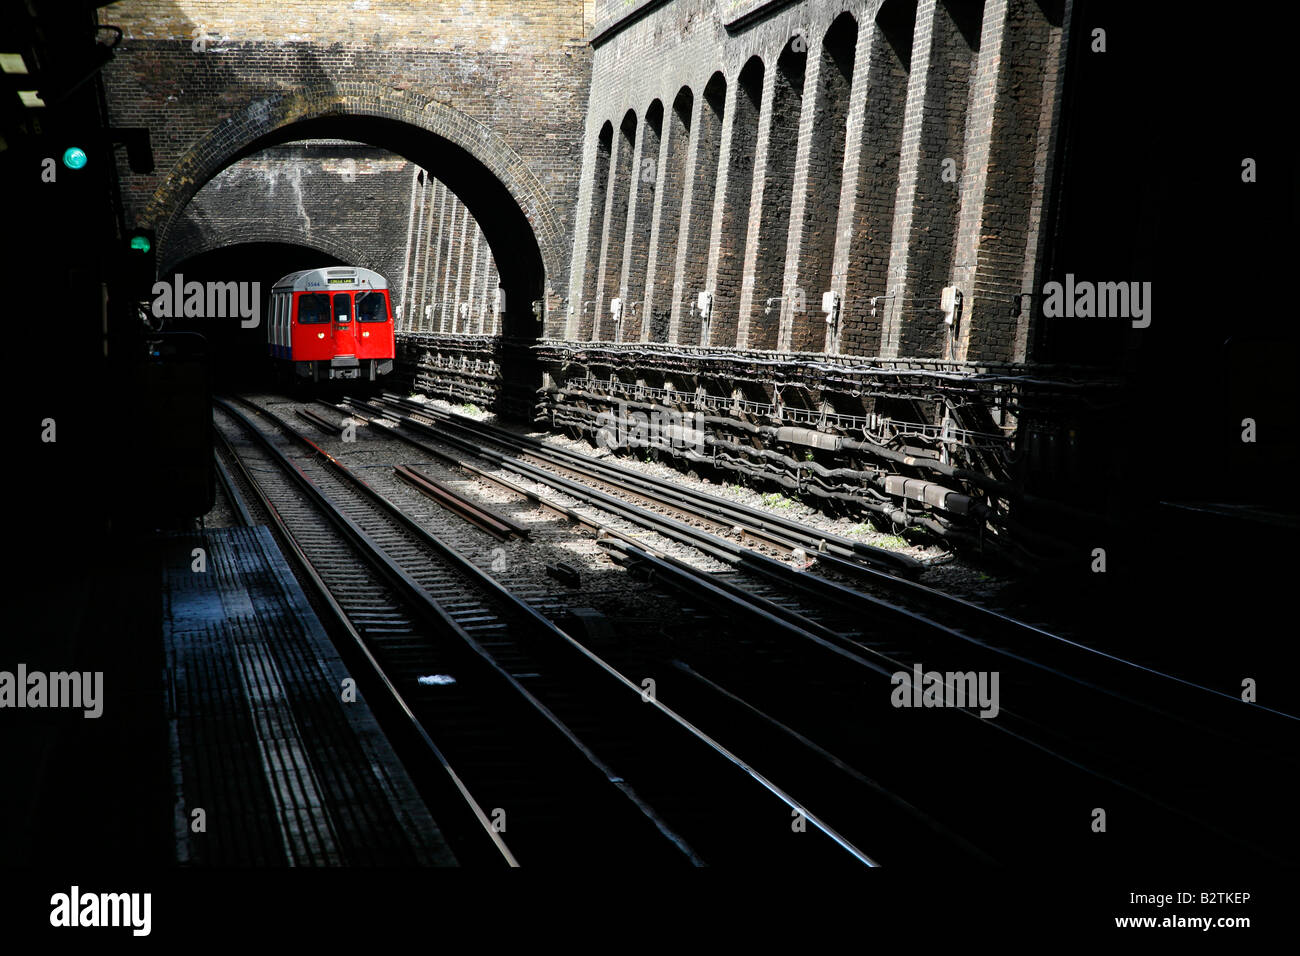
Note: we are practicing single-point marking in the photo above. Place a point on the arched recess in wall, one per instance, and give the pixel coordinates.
(762, 325)
(501, 192)
(595, 234)
(641, 216)
(875, 188)
(616, 219)
(934, 139)
(825, 179)
(734, 233)
(697, 230)
(660, 293)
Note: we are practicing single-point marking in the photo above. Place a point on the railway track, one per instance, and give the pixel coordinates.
(587, 769)
(729, 526)
(1084, 726)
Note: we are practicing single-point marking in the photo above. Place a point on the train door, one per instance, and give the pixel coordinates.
(345, 342)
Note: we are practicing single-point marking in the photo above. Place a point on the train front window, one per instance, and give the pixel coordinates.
(371, 307)
(313, 308)
(342, 307)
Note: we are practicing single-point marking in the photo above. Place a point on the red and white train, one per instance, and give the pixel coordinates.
(334, 323)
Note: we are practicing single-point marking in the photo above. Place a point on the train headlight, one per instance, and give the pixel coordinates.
(320, 335)
(365, 335)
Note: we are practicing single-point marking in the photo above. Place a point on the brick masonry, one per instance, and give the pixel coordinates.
(569, 154)
(880, 150)
(489, 97)
(876, 149)
(344, 199)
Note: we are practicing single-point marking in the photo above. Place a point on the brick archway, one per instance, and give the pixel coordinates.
(500, 189)
(194, 243)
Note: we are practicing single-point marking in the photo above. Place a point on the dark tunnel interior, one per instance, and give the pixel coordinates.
(238, 354)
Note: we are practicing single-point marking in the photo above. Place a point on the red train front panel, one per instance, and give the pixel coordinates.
(373, 332)
(343, 331)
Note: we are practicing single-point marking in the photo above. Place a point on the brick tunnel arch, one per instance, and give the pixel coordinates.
(193, 243)
(514, 211)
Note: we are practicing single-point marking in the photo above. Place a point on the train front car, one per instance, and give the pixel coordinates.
(332, 324)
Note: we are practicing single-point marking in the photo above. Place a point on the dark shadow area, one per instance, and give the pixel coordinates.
(897, 20)
(238, 354)
(1151, 189)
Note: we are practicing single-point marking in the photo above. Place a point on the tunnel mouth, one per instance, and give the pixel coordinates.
(509, 233)
(237, 351)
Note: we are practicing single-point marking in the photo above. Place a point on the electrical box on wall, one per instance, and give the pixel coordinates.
(950, 303)
(831, 306)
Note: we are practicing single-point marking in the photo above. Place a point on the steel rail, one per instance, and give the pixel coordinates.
(496, 525)
(1005, 625)
(781, 532)
(545, 626)
(434, 611)
(236, 500)
(340, 619)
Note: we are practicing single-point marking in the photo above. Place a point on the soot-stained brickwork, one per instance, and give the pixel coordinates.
(876, 150)
(823, 224)
(364, 206)
(746, 208)
(337, 197)
(488, 97)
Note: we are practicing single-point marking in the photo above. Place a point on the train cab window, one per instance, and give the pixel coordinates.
(313, 308)
(342, 307)
(371, 307)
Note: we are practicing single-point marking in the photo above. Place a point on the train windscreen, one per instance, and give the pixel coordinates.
(371, 307)
(313, 308)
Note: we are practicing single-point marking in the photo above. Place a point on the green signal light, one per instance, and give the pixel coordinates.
(74, 157)
(141, 243)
